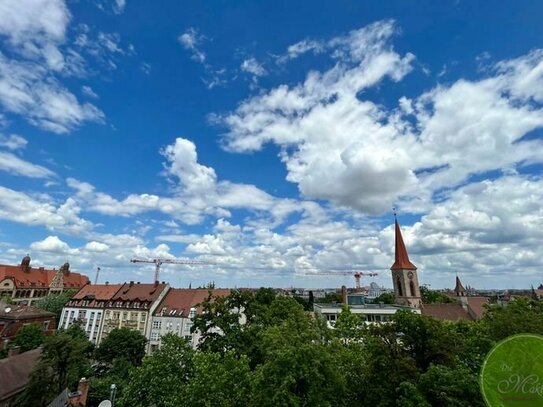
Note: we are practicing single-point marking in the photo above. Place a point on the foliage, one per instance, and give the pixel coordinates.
(260, 349)
(217, 380)
(29, 337)
(385, 298)
(434, 297)
(62, 363)
(122, 343)
(6, 299)
(160, 374)
(55, 302)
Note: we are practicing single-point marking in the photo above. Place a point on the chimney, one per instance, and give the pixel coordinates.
(131, 283)
(83, 389)
(15, 350)
(344, 295)
(107, 282)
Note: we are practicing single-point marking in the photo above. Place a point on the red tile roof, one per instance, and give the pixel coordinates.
(446, 312)
(97, 292)
(15, 372)
(476, 306)
(32, 277)
(135, 291)
(179, 301)
(401, 257)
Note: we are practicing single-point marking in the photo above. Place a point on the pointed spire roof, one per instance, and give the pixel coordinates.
(459, 288)
(401, 259)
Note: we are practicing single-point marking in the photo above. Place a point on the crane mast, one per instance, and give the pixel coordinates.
(159, 262)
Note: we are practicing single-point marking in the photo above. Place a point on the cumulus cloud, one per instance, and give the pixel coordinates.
(52, 244)
(339, 146)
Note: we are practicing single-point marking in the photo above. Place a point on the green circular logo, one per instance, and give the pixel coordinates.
(512, 374)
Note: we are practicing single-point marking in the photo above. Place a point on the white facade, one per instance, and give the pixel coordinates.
(373, 313)
(90, 319)
(177, 325)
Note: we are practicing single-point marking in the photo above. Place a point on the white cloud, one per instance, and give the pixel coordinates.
(35, 28)
(119, 6)
(191, 40)
(87, 91)
(96, 247)
(13, 142)
(252, 66)
(22, 208)
(15, 165)
(341, 147)
(52, 244)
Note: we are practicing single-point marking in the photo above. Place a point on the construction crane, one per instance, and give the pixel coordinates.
(159, 262)
(357, 275)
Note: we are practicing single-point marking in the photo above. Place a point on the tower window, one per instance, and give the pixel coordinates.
(399, 285)
(412, 288)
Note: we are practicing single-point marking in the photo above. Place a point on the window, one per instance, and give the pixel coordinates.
(192, 313)
(143, 316)
(155, 336)
(412, 288)
(399, 285)
(157, 324)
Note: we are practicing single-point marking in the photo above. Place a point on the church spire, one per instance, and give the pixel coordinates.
(459, 289)
(401, 257)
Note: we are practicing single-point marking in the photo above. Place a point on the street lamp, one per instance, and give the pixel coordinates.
(112, 395)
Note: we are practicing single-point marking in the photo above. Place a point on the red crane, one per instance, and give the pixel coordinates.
(159, 262)
(357, 275)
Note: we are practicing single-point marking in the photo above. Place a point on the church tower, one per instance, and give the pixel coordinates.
(404, 274)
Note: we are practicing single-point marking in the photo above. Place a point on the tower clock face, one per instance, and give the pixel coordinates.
(410, 275)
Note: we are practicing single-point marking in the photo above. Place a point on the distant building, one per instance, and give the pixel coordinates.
(467, 307)
(371, 313)
(15, 374)
(25, 284)
(132, 307)
(14, 317)
(374, 291)
(175, 312)
(86, 308)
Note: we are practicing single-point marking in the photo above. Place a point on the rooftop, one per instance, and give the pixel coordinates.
(97, 292)
(136, 291)
(25, 276)
(179, 301)
(446, 312)
(22, 312)
(15, 372)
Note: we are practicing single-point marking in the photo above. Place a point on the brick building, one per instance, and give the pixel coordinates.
(14, 317)
(25, 284)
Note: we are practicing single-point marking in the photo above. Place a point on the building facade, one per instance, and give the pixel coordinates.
(87, 307)
(132, 307)
(175, 312)
(25, 284)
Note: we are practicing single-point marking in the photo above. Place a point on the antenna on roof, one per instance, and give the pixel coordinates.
(97, 273)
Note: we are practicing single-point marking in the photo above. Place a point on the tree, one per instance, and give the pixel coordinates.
(29, 337)
(385, 298)
(122, 343)
(348, 327)
(55, 302)
(434, 297)
(61, 365)
(217, 380)
(519, 316)
(161, 377)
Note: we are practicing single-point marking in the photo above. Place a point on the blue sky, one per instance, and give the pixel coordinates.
(273, 138)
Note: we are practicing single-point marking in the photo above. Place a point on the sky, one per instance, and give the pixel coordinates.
(270, 140)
